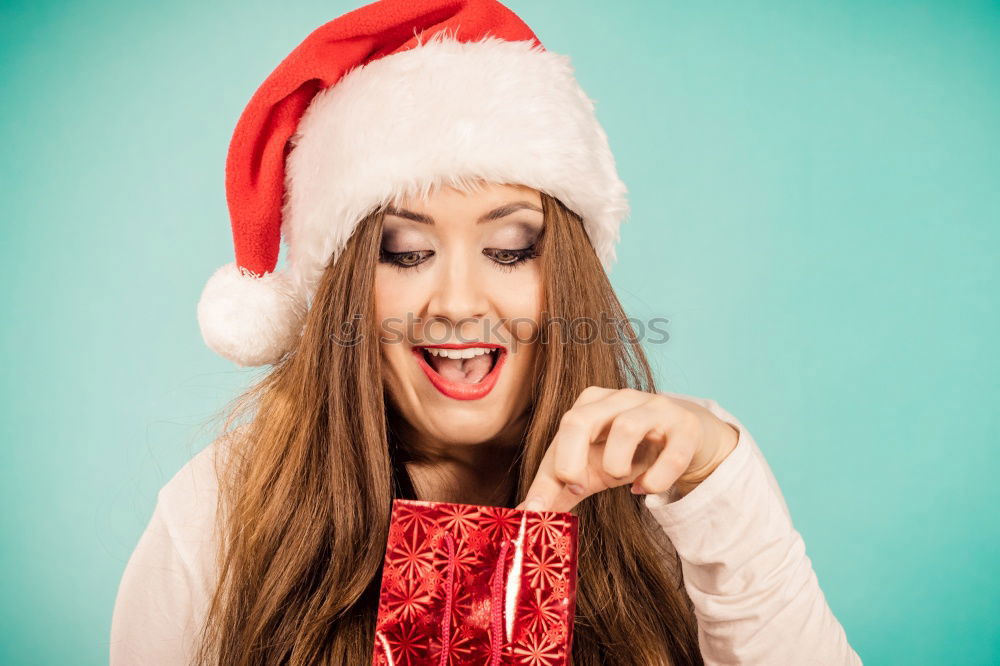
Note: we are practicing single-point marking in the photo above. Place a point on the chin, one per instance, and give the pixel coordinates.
(464, 432)
(462, 421)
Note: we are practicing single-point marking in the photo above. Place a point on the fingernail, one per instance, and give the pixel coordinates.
(534, 504)
(575, 488)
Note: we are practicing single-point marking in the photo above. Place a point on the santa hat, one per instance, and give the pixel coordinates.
(385, 102)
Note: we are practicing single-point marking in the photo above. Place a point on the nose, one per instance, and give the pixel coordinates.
(459, 294)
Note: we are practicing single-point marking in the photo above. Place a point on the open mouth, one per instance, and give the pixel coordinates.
(463, 372)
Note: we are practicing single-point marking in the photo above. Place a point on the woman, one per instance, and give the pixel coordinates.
(450, 205)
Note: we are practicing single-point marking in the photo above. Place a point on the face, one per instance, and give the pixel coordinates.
(457, 288)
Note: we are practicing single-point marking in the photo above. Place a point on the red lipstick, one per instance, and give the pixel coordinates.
(460, 390)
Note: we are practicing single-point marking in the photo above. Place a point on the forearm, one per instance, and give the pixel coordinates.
(756, 596)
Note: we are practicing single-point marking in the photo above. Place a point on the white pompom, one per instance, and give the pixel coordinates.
(250, 321)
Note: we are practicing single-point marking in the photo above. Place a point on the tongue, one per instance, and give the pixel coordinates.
(463, 370)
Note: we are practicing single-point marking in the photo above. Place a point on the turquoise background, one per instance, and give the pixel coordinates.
(815, 208)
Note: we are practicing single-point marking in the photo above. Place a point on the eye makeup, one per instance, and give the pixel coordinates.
(507, 245)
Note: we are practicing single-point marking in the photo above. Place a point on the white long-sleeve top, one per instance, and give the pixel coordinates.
(757, 600)
(756, 597)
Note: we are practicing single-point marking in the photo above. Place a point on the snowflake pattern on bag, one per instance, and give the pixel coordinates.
(466, 584)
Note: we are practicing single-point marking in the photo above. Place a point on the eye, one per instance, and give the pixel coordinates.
(508, 259)
(404, 260)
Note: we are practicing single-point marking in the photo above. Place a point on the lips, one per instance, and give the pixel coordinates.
(466, 377)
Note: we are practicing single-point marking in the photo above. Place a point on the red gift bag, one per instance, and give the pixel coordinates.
(465, 584)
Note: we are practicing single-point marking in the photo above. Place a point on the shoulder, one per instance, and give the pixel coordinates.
(190, 496)
(168, 581)
(187, 506)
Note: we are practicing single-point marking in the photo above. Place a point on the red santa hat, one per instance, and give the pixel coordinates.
(389, 101)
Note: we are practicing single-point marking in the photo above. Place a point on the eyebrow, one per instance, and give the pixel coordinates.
(495, 214)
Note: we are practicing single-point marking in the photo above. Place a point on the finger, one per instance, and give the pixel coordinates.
(674, 459)
(578, 429)
(567, 500)
(547, 493)
(627, 431)
(592, 394)
(557, 500)
(545, 488)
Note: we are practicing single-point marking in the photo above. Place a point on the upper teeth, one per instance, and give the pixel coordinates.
(468, 352)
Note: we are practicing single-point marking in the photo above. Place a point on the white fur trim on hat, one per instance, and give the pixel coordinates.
(445, 112)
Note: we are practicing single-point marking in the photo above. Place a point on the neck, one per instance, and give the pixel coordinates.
(482, 473)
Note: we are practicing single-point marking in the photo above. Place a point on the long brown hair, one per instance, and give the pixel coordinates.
(306, 489)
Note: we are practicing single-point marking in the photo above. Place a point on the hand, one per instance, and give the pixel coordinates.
(612, 437)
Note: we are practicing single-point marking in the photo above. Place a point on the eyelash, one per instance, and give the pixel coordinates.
(520, 256)
(393, 259)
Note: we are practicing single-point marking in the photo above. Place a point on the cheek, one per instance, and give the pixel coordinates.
(392, 302)
(394, 294)
(521, 296)
(519, 300)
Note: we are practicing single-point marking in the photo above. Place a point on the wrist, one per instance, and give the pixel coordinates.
(692, 478)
